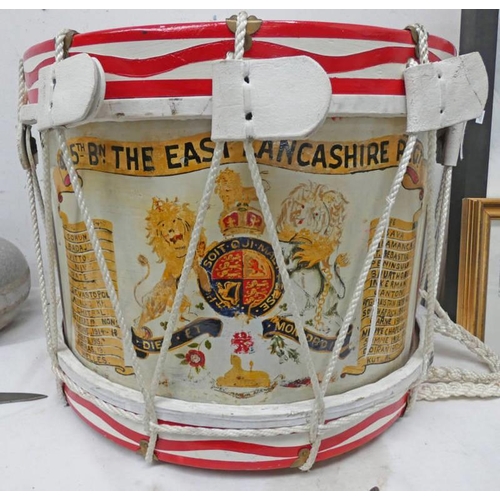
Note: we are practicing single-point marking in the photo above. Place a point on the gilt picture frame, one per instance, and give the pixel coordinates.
(478, 303)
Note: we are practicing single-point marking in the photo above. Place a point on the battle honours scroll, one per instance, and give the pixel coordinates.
(97, 334)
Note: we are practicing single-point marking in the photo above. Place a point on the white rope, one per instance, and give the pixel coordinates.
(358, 291)
(271, 229)
(239, 38)
(269, 432)
(34, 195)
(190, 256)
(445, 382)
(444, 212)
(318, 404)
(96, 245)
(51, 247)
(103, 267)
(423, 45)
(429, 276)
(179, 294)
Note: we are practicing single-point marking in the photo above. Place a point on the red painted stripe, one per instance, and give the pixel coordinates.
(248, 448)
(367, 86)
(338, 64)
(228, 445)
(204, 463)
(323, 455)
(136, 89)
(188, 88)
(39, 48)
(278, 451)
(32, 76)
(137, 68)
(122, 429)
(271, 464)
(101, 431)
(269, 29)
(171, 445)
(32, 96)
(152, 66)
(158, 88)
(167, 445)
(355, 429)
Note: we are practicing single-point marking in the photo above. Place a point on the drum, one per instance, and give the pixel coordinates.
(235, 360)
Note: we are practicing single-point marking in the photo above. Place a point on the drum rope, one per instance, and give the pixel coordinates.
(429, 275)
(106, 276)
(358, 291)
(318, 409)
(271, 229)
(181, 286)
(51, 243)
(34, 196)
(270, 432)
(96, 245)
(444, 210)
(446, 382)
(190, 255)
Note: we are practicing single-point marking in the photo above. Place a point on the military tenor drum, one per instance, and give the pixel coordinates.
(141, 150)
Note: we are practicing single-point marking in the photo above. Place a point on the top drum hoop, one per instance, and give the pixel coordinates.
(144, 64)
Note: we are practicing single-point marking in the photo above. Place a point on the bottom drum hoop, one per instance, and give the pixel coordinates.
(362, 414)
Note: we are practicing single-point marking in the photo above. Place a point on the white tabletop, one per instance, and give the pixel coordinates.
(443, 445)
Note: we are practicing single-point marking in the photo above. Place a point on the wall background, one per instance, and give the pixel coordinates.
(20, 29)
(494, 165)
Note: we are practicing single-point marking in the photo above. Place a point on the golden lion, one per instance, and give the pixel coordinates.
(310, 228)
(169, 226)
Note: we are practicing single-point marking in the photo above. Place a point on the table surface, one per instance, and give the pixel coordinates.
(442, 445)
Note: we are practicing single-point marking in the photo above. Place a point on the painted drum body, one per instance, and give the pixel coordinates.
(142, 163)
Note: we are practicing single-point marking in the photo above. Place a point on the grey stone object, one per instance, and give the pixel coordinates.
(15, 281)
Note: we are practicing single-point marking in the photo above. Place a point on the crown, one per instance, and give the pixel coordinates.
(241, 219)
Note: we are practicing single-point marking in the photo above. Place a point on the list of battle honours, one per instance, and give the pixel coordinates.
(394, 297)
(98, 337)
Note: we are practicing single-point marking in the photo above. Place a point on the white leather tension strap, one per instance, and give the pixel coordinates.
(283, 98)
(70, 91)
(446, 94)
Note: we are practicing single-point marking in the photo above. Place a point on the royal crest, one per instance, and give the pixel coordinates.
(244, 277)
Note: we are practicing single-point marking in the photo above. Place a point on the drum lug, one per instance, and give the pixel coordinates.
(301, 458)
(143, 448)
(253, 25)
(68, 40)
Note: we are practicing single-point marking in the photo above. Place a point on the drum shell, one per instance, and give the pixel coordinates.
(236, 342)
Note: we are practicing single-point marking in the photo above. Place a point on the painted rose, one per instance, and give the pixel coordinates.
(243, 343)
(195, 358)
